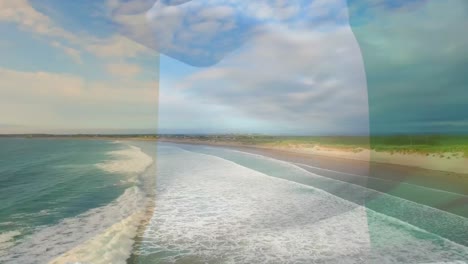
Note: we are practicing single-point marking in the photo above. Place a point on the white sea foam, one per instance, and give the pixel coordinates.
(426, 217)
(211, 210)
(6, 240)
(126, 161)
(100, 235)
(50, 242)
(114, 245)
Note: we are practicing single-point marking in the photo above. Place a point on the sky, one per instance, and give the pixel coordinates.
(416, 63)
(320, 67)
(66, 69)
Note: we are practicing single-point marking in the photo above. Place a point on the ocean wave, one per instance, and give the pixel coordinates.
(444, 224)
(213, 210)
(100, 235)
(114, 245)
(126, 161)
(7, 240)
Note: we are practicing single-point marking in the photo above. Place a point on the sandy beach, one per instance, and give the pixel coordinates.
(446, 162)
(451, 162)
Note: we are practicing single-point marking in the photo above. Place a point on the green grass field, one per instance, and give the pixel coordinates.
(421, 144)
(424, 144)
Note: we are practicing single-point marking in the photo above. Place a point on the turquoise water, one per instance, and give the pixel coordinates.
(59, 192)
(447, 225)
(215, 205)
(43, 181)
(211, 205)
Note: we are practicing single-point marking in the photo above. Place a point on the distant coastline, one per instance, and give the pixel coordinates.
(454, 162)
(442, 153)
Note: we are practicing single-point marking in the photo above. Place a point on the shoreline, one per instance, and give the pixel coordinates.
(119, 240)
(444, 162)
(394, 179)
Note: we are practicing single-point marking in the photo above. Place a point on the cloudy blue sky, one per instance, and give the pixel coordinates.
(416, 63)
(209, 66)
(64, 68)
(260, 67)
(226, 66)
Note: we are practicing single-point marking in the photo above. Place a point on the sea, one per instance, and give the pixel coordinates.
(108, 201)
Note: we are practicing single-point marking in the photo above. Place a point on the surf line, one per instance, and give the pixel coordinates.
(363, 176)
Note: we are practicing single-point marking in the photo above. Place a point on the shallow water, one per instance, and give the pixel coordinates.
(211, 205)
(57, 194)
(222, 206)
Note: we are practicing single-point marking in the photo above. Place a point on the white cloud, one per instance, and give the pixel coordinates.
(34, 86)
(29, 19)
(302, 81)
(324, 8)
(132, 7)
(22, 13)
(115, 46)
(123, 70)
(288, 75)
(196, 32)
(299, 70)
(201, 33)
(74, 54)
(31, 100)
(43, 99)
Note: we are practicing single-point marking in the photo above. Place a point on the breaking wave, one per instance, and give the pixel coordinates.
(126, 161)
(211, 210)
(100, 235)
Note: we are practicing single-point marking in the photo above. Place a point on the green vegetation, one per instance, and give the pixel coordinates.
(424, 144)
